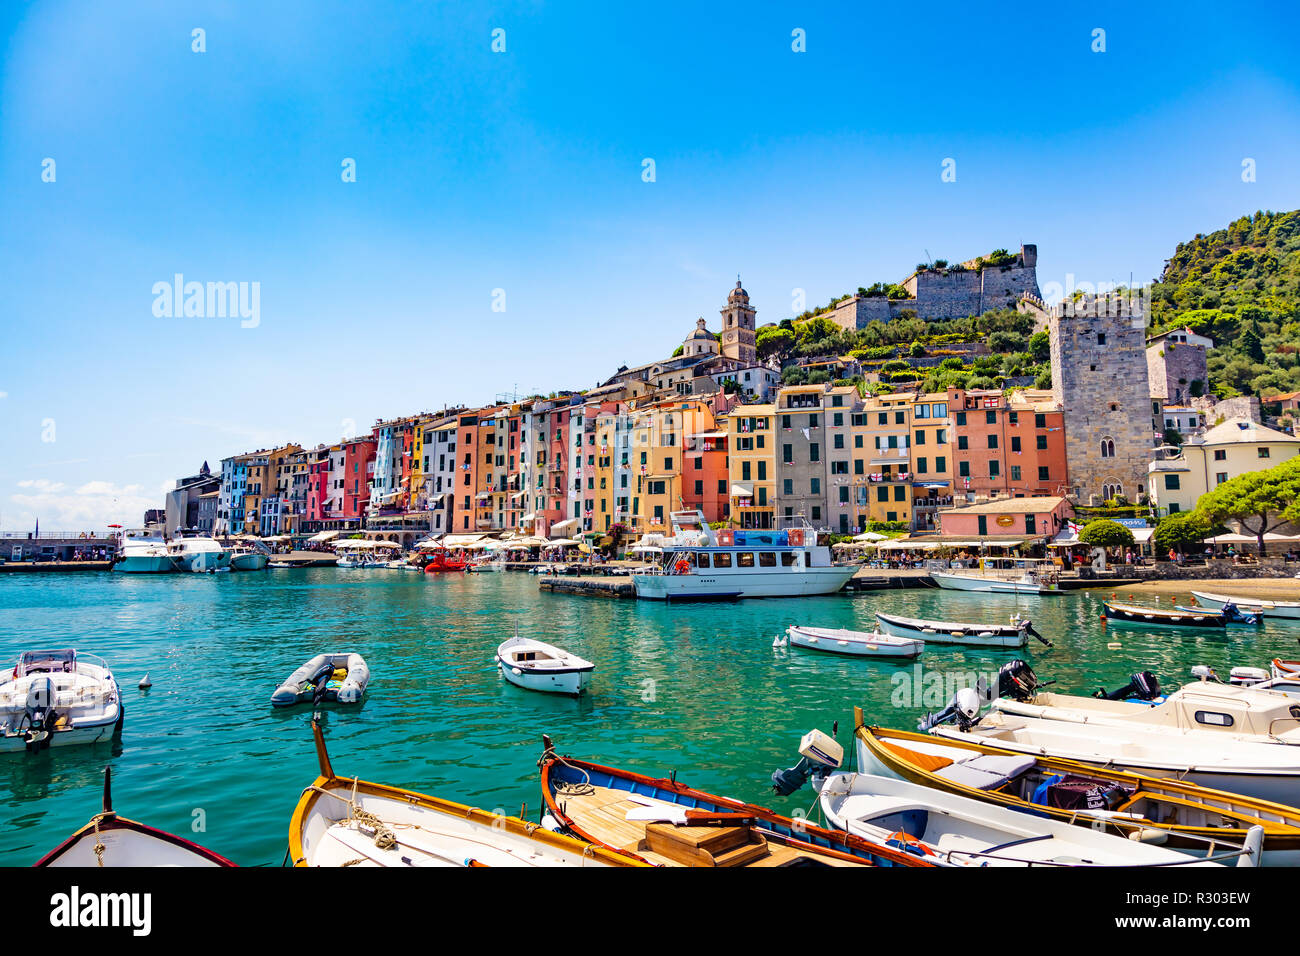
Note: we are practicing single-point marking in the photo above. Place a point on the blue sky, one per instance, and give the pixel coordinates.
(522, 171)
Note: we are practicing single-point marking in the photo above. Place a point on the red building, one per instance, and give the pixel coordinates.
(358, 466)
(1007, 445)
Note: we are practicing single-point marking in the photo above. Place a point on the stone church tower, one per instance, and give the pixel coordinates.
(738, 328)
(1099, 375)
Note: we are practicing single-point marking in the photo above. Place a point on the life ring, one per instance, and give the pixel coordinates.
(908, 843)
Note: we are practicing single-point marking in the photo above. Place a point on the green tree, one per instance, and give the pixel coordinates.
(1104, 533)
(1040, 346)
(1259, 501)
(773, 340)
(1182, 532)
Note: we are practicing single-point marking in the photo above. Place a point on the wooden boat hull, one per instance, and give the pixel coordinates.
(1273, 610)
(127, 843)
(798, 840)
(570, 682)
(1157, 617)
(891, 753)
(944, 632)
(349, 822)
(854, 643)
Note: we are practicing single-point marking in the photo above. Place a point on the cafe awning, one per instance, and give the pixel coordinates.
(563, 526)
(324, 536)
(742, 491)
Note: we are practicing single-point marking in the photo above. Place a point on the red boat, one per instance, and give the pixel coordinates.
(442, 561)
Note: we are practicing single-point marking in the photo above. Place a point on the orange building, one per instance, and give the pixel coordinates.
(1010, 445)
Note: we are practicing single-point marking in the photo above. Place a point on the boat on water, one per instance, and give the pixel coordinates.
(109, 840)
(196, 551)
(1117, 613)
(1172, 812)
(536, 666)
(1002, 575)
(665, 822)
(143, 551)
(335, 677)
(700, 564)
(246, 558)
(1250, 766)
(441, 561)
(853, 643)
(344, 821)
(57, 698)
(950, 830)
(1015, 634)
(364, 553)
(1272, 610)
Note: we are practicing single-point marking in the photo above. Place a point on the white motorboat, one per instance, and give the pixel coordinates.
(537, 666)
(856, 643)
(951, 830)
(245, 558)
(701, 564)
(363, 553)
(56, 698)
(341, 677)
(199, 552)
(1015, 634)
(143, 551)
(1002, 576)
(345, 822)
(1273, 610)
(109, 840)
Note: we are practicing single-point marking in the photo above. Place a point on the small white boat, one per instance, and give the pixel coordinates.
(56, 698)
(857, 643)
(244, 558)
(950, 830)
(1274, 610)
(112, 841)
(279, 565)
(536, 666)
(143, 551)
(1015, 634)
(340, 677)
(345, 822)
(1002, 576)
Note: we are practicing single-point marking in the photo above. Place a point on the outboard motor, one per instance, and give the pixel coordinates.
(819, 755)
(1017, 680)
(1143, 686)
(1206, 673)
(964, 708)
(40, 714)
(1235, 615)
(1029, 629)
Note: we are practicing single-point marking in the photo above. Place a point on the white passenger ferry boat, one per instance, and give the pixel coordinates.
(699, 563)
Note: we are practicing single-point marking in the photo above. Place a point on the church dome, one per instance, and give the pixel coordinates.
(738, 292)
(700, 331)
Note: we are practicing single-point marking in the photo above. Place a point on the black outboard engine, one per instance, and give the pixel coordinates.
(964, 708)
(1032, 632)
(818, 756)
(1143, 686)
(1017, 680)
(40, 714)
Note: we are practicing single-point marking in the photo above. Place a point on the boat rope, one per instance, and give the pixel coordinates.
(99, 847)
(567, 788)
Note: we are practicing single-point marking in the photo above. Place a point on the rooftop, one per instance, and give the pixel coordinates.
(1012, 506)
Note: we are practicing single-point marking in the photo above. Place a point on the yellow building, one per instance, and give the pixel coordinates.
(751, 466)
(882, 458)
(931, 459)
(1179, 476)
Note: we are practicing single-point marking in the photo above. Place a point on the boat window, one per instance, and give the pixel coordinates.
(744, 559)
(722, 559)
(1213, 719)
(767, 559)
(788, 559)
(704, 560)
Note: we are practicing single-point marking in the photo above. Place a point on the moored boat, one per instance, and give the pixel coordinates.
(1190, 817)
(109, 840)
(855, 643)
(1273, 610)
(143, 551)
(1015, 634)
(537, 666)
(244, 558)
(1117, 613)
(56, 698)
(665, 822)
(441, 561)
(199, 552)
(338, 677)
(996, 575)
(344, 821)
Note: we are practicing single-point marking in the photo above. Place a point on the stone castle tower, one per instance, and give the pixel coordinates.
(738, 328)
(1099, 375)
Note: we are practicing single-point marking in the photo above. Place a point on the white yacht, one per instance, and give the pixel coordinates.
(701, 564)
(143, 551)
(1002, 575)
(199, 552)
(55, 698)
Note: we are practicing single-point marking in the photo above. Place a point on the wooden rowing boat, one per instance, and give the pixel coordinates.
(665, 822)
(1280, 610)
(1117, 613)
(109, 840)
(854, 643)
(1189, 816)
(349, 822)
(1016, 634)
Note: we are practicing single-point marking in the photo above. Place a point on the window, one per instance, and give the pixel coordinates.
(1220, 477)
(1263, 452)
(767, 559)
(1108, 448)
(814, 452)
(816, 486)
(839, 441)
(993, 441)
(941, 464)
(963, 469)
(921, 465)
(882, 493)
(839, 416)
(1174, 508)
(1041, 441)
(1031, 526)
(1213, 719)
(961, 442)
(961, 418)
(990, 418)
(703, 559)
(699, 488)
(1220, 454)
(816, 513)
(1040, 420)
(1044, 474)
(787, 486)
(899, 418)
(858, 467)
(1015, 472)
(787, 559)
(1171, 482)
(995, 468)
(787, 453)
(1013, 418)
(722, 559)
(900, 492)
(844, 494)
(983, 524)
(744, 559)
(1101, 338)
(920, 438)
(1015, 443)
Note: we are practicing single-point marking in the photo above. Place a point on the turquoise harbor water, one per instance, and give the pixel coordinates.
(697, 688)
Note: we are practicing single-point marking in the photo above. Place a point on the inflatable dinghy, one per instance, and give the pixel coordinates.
(345, 677)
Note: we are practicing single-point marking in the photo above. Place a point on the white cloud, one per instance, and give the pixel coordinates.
(93, 506)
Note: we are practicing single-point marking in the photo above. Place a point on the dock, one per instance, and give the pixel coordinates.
(18, 567)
